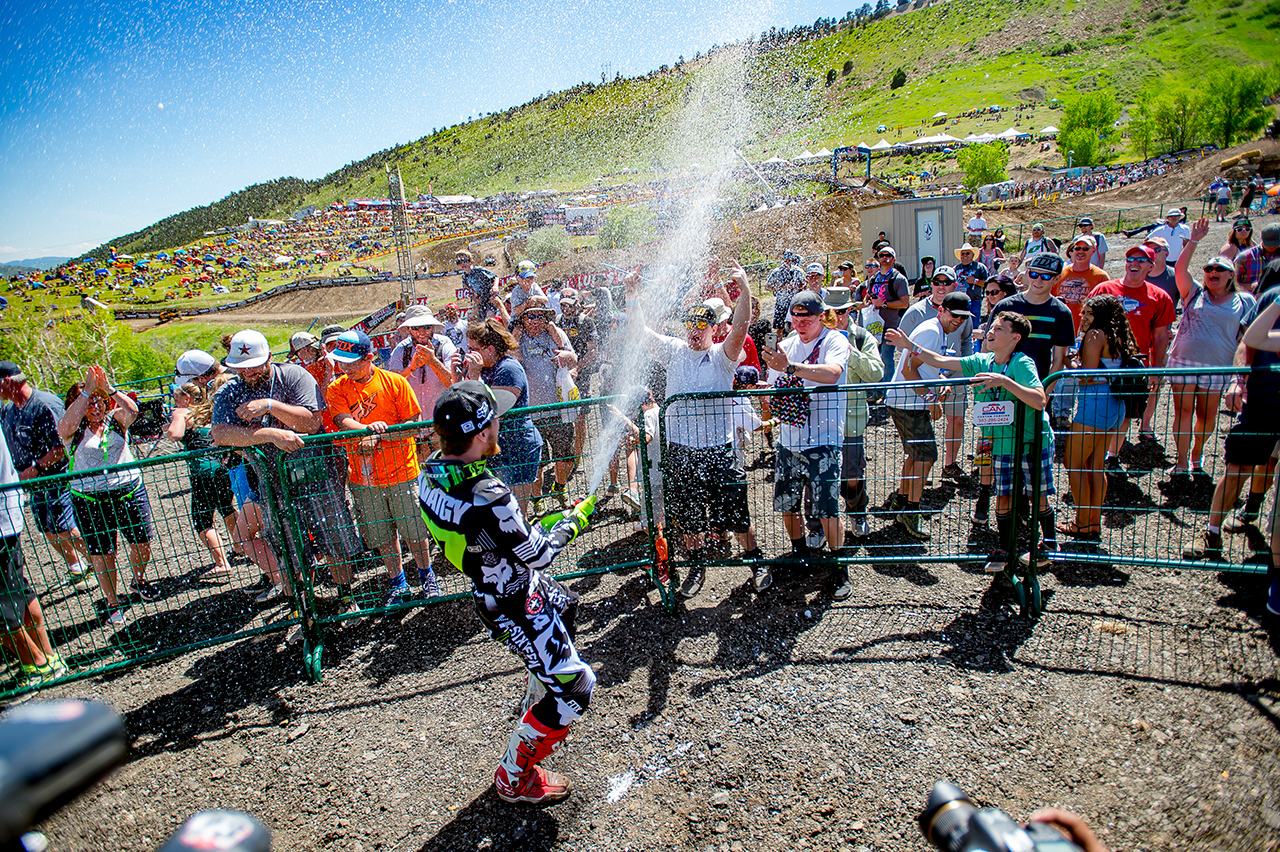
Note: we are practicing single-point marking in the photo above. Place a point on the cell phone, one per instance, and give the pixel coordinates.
(771, 340)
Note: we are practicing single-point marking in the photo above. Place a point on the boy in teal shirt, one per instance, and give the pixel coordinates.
(1004, 375)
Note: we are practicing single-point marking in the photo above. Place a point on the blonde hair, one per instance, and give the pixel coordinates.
(202, 407)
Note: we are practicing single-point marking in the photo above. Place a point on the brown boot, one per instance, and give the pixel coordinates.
(519, 778)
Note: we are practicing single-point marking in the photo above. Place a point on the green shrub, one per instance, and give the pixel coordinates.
(548, 244)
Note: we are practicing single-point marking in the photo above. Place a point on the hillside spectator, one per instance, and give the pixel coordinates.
(702, 493)
(525, 287)
(1174, 232)
(490, 358)
(784, 282)
(1150, 312)
(1221, 192)
(425, 357)
(971, 275)
(382, 469)
(1099, 256)
(955, 399)
(30, 421)
(1106, 341)
(1241, 238)
(481, 286)
(1251, 261)
(809, 453)
(95, 427)
(976, 228)
(990, 255)
(1212, 322)
(1251, 188)
(544, 350)
(1038, 244)
(25, 634)
(889, 293)
(914, 409)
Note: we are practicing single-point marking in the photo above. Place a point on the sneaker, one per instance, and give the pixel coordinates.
(558, 494)
(954, 471)
(979, 517)
(859, 526)
(693, 582)
(537, 787)
(631, 499)
(844, 589)
(347, 606)
(147, 591)
(896, 502)
(399, 589)
(270, 594)
(430, 585)
(118, 618)
(55, 667)
(1251, 509)
(1273, 599)
(31, 678)
(1207, 546)
(536, 505)
(77, 572)
(1111, 464)
(910, 523)
(815, 539)
(761, 577)
(996, 563)
(1042, 561)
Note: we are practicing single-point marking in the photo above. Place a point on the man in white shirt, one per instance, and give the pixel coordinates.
(977, 227)
(810, 453)
(1174, 232)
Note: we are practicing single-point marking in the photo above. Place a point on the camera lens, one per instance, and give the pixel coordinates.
(945, 819)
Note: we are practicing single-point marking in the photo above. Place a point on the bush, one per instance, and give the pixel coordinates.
(626, 227)
(899, 79)
(548, 244)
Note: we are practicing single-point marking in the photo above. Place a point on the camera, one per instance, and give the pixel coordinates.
(952, 823)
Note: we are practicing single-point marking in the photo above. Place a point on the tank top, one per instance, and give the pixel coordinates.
(93, 451)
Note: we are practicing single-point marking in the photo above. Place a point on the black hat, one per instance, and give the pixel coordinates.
(11, 371)
(957, 303)
(808, 301)
(466, 407)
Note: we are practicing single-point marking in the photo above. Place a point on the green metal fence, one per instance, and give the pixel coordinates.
(319, 542)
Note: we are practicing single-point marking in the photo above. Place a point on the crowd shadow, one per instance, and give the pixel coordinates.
(487, 823)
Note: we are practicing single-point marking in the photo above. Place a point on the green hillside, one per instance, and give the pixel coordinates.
(820, 86)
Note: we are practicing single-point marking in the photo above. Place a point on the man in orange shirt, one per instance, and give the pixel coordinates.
(382, 469)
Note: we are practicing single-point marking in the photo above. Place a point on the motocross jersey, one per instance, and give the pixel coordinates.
(478, 524)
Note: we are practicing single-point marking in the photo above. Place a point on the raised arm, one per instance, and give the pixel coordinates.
(1182, 269)
(635, 313)
(741, 314)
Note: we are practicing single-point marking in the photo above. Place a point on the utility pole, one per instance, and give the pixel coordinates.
(400, 235)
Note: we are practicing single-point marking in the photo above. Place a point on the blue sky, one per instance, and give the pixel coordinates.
(117, 113)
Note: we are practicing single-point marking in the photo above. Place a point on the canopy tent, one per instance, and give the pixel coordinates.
(982, 139)
(862, 146)
(880, 146)
(775, 160)
(823, 153)
(1011, 133)
(1049, 130)
(939, 115)
(972, 137)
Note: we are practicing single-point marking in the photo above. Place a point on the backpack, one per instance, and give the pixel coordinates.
(1131, 390)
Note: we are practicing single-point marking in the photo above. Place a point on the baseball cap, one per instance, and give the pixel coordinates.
(10, 370)
(846, 265)
(1045, 262)
(1085, 220)
(352, 346)
(790, 253)
(814, 268)
(1220, 262)
(945, 272)
(1271, 235)
(466, 407)
(1038, 226)
(329, 332)
(806, 300)
(886, 250)
(301, 340)
(248, 349)
(1158, 242)
(419, 315)
(720, 309)
(698, 313)
(526, 269)
(192, 364)
(1143, 250)
(957, 303)
(1086, 239)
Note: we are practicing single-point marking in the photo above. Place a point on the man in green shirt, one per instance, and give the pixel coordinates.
(1004, 375)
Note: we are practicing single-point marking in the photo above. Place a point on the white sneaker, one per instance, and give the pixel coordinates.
(815, 539)
(270, 594)
(118, 618)
(859, 527)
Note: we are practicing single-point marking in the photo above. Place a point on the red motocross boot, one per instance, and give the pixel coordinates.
(519, 778)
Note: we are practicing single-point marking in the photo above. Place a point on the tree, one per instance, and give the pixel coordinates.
(1088, 127)
(1142, 126)
(626, 227)
(899, 79)
(1233, 103)
(882, 9)
(1179, 115)
(548, 244)
(984, 164)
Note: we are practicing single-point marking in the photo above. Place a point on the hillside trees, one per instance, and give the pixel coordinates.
(548, 244)
(1233, 108)
(983, 164)
(626, 226)
(1088, 128)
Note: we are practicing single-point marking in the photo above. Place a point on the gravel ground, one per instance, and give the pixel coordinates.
(1146, 700)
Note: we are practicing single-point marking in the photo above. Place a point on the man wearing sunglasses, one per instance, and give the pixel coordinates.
(703, 491)
(959, 343)
(1150, 312)
(1099, 257)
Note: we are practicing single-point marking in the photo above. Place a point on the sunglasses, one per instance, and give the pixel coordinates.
(698, 324)
(942, 282)
(1242, 228)
(993, 292)
(1041, 276)
(885, 256)
(841, 311)
(1209, 269)
(1081, 248)
(1137, 258)
(463, 260)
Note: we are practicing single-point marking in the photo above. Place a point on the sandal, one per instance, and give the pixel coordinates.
(1070, 528)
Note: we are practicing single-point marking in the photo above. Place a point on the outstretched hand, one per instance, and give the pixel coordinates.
(1200, 228)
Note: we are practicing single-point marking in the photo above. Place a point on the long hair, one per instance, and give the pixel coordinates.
(75, 392)
(1109, 318)
(202, 400)
(1235, 241)
(493, 333)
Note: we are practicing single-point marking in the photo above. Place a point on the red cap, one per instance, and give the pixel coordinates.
(1143, 250)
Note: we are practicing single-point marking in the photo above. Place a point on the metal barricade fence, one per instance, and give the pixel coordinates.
(181, 603)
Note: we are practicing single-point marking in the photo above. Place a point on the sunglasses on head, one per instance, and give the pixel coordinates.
(1041, 276)
(699, 324)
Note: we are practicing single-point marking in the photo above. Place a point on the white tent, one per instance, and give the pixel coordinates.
(880, 146)
(939, 115)
(824, 153)
(983, 139)
(1011, 133)
(862, 146)
(1049, 130)
(807, 155)
(775, 160)
(973, 137)
(946, 137)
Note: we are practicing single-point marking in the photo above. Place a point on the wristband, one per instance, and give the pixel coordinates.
(269, 406)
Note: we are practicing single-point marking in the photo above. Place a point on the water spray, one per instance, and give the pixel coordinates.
(756, 172)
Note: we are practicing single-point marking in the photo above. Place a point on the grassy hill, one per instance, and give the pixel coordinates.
(826, 85)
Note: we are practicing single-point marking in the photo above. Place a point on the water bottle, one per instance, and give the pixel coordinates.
(366, 470)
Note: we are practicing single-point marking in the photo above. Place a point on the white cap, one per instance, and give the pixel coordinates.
(301, 340)
(722, 311)
(248, 349)
(193, 364)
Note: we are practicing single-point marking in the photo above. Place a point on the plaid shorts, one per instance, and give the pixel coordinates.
(1003, 465)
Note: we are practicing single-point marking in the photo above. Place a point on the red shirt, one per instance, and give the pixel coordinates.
(1147, 307)
(751, 356)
